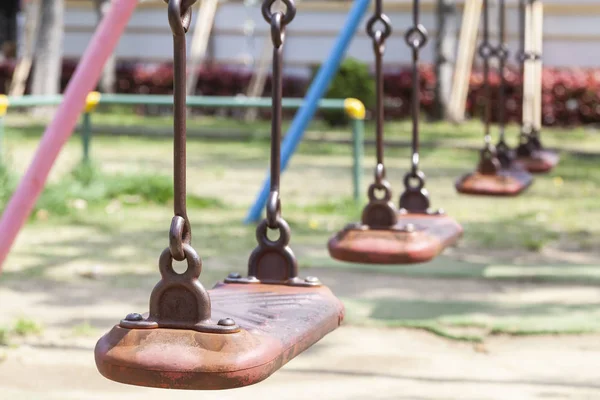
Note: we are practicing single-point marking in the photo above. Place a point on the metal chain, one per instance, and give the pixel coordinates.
(416, 39)
(486, 52)
(522, 57)
(502, 54)
(379, 36)
(180, 16)
(278, 20)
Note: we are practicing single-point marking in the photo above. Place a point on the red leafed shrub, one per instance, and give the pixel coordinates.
(569, 95)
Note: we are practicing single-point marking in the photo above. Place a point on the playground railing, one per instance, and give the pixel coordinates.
(354, 108)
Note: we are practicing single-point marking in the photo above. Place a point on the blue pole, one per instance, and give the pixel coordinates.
(311, 100)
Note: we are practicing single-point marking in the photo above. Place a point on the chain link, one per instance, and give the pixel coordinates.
(486, 52)
(502, 54)
(180, 15)
(278, 20)
(379, 28)
(180, 233)
(416, 39)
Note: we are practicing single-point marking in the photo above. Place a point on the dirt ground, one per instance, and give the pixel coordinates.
(351, 363)
(44, 281)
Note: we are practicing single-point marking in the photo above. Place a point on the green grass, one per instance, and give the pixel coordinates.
(116, 212)
(26, 326)
(475, 320)
(84, 329)
(4, 336)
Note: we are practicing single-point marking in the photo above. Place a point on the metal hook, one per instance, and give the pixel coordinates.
(288, 14)
(277, 29)
(180, 15)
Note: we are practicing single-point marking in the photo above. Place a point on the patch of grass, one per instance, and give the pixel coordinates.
(4, 336)
(474, 320)
(88, 187)
(84, 329)
(25, 327)
(345, 206)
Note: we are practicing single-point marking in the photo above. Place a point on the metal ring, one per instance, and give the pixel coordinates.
(180, 15)
(284, 234)
(288, 14)
(273, 209)
(387, 26)
(485, 51)
(416, 37)
(277, 29)
(383, 185)
(502, 52)
(194, 264)
(419, 176)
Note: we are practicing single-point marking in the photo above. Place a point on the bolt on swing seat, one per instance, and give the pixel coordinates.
(385, 235)
(262, 321)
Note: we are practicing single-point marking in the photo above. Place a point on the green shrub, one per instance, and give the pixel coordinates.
(352, 80)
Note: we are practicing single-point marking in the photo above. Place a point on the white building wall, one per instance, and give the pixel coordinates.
(572, 37)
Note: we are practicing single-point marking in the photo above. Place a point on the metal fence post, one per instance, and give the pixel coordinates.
(356, 111)
(91, 103)
(3, 110)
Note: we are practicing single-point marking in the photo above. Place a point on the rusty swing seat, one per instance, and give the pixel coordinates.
(491, 179)
(385, 235)
(244, 329)
(533, 157)
(264, 321)
(414, 234)
(416, 238)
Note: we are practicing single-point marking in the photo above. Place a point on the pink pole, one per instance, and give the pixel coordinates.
(84, 80)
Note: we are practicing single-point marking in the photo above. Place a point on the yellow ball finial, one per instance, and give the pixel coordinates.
(354, 108)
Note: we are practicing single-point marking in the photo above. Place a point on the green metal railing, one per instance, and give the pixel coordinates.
(353, 108)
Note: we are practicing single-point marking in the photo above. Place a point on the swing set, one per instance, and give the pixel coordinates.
(249, 325)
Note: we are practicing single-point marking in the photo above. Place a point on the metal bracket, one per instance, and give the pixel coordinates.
(273, 262)
(179, 301)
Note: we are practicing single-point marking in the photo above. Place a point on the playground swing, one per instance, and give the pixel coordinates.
(413, 233)
(497, 173)
(530, 151)
(264, 319)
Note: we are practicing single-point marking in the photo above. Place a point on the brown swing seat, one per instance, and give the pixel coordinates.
(533, 157)
(386, 236)
(540, 161)
(264, 321)
(416, 238)
(490, 179)
(276, 323)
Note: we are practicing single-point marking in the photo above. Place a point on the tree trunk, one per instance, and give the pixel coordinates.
(445, 47)
(48, 60)
(109, 74)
